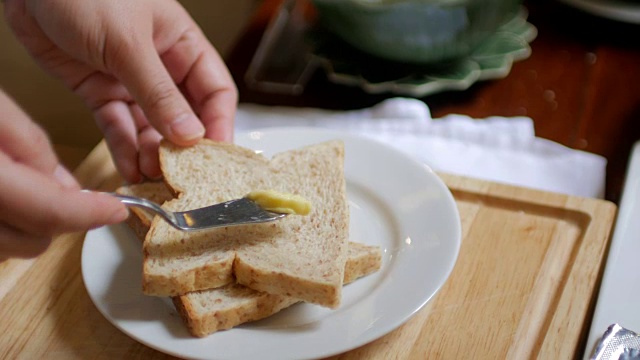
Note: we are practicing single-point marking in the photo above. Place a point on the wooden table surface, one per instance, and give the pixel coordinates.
(524, 284)
(581, 84)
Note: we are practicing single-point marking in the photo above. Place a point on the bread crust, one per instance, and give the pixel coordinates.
(204, 324)
(254, 305)
(289, 285)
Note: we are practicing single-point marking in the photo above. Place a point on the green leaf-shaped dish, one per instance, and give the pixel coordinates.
(491, 59)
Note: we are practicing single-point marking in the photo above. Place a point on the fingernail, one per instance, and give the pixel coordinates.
(155, 177)
(187, 127)
(64, 177)
(120, 215)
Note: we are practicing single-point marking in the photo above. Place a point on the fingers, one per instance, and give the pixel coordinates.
(119, 129)
(33, 203)
(131, 140)
(111, 56)
(148, 158)
(148, 144)
(25, 142)
(65, 178)
(194, 63)
(150, 84)
(187, 58)
(34, 207)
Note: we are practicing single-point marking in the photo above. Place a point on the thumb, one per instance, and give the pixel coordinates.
(164, 106)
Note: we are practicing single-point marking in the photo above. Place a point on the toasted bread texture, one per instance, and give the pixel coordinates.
(207, 311)
(299, 256)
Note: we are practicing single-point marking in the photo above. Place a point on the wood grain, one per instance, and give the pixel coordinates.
(523, 285)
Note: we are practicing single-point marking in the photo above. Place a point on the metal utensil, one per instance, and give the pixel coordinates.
(230, 213)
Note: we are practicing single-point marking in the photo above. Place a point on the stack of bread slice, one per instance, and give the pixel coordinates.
(220, 278)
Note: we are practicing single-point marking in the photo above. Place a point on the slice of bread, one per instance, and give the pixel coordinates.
(299, 256)
(205, 312)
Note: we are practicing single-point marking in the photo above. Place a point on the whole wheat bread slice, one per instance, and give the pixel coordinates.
(299, 256)
(207, 311)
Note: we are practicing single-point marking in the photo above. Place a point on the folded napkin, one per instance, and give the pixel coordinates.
(499, 149)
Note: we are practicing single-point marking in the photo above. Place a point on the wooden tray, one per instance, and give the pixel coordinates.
(524, 284)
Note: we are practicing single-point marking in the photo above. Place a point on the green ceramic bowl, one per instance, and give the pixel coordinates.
(415, 31)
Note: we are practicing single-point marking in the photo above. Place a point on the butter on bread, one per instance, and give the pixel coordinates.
(299, 256)
(207, 311)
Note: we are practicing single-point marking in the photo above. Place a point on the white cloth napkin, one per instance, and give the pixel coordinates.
(496, 148)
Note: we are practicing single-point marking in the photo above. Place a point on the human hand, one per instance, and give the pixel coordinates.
(143, 67)
(39, 198)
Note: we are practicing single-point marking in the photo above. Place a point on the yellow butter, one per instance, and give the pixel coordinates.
(278, 202)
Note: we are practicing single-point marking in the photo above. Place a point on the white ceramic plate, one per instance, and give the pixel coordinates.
(395, 202)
